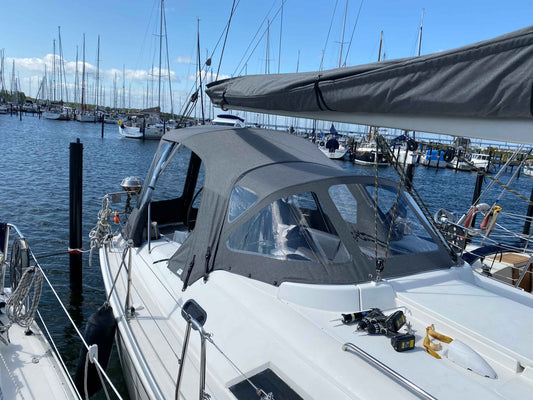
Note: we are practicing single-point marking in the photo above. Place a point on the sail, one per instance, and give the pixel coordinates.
(482, 90)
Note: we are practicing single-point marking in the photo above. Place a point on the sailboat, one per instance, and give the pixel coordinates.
(149, 126)
(267, 271)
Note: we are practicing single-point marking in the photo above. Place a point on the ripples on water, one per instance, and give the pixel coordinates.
(34, 173)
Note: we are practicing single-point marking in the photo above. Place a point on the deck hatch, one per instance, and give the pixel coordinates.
(269, 382)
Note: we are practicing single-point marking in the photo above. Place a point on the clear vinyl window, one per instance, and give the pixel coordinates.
(291, 228)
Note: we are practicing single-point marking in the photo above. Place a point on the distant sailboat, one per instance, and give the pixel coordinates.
(151, 126)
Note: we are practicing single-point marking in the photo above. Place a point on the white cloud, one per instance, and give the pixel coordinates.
(184, 60)
(37, 65)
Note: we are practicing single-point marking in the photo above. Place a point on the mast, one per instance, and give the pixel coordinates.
(168, 69)
(420, 34)
(115, 92)
(160, 47)
(380, 44)
(54, 71)
(62, 75)
(200, 75)
(124, 87)
(343, 29)
(280, 33)
(83, 79)
(76, 80)
(2, 83)
(97, 74)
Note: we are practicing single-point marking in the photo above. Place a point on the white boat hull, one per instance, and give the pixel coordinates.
(29, 368)
(85, 118)
(283, 335)
(154, 132)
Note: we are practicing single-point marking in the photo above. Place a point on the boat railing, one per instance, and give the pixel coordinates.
(195, 316)
(92, 350)
(412, 387)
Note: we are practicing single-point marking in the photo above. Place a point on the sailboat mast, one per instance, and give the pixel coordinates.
(62, 75)
(83, 79)
(343, 29)
(420, 34)
(280, 35)
(54, 72)
(200, 75)
(124, 87)
(380, 44)
(160, 47)
(97, 73)
(76, 80)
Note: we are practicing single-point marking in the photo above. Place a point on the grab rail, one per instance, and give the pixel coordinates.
(192, 323)
(415, 389)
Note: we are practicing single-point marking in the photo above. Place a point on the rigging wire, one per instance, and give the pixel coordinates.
(225, 38)
(252, 41)
(260, 39)
(327, 37)
(353, 31)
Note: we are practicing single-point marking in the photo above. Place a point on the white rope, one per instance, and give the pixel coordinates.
(16, 310)
(99, 233)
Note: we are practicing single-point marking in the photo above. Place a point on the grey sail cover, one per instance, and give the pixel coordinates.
(483, 86)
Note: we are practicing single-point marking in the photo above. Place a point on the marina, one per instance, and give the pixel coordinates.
(106, 162)
(358, 230)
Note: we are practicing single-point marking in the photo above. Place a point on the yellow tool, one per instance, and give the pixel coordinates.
(430, 347)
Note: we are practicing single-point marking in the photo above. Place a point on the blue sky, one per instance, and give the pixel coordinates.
(128, 32)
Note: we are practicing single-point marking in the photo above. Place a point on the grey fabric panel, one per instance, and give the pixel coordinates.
(492, 78)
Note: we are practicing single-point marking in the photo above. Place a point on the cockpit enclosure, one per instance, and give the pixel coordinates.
(274, 209)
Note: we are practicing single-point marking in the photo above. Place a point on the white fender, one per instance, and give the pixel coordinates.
(466, 357)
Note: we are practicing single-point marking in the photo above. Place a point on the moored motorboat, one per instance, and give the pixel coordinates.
(367, 153)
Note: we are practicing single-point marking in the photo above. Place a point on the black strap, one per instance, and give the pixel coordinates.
(189, 270)
(321, 103)
(207, 257)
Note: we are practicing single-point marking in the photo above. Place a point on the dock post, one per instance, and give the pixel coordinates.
(102, 126)
(75, 244)
(20, 113)
(144, 127)
(529, 214)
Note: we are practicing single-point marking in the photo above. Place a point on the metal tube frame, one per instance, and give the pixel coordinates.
(127, 303)
(415, 389)
(192, 323)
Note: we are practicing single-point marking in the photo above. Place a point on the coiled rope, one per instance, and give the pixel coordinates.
(99, 233)
(16, 309)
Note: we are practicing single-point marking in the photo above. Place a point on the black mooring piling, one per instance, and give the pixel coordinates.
(75, 245)
(103, 126)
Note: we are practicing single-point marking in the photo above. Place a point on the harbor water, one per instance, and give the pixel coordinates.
(34, 174)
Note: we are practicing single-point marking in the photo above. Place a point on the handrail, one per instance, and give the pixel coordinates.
(192, 323)
(415, 389)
